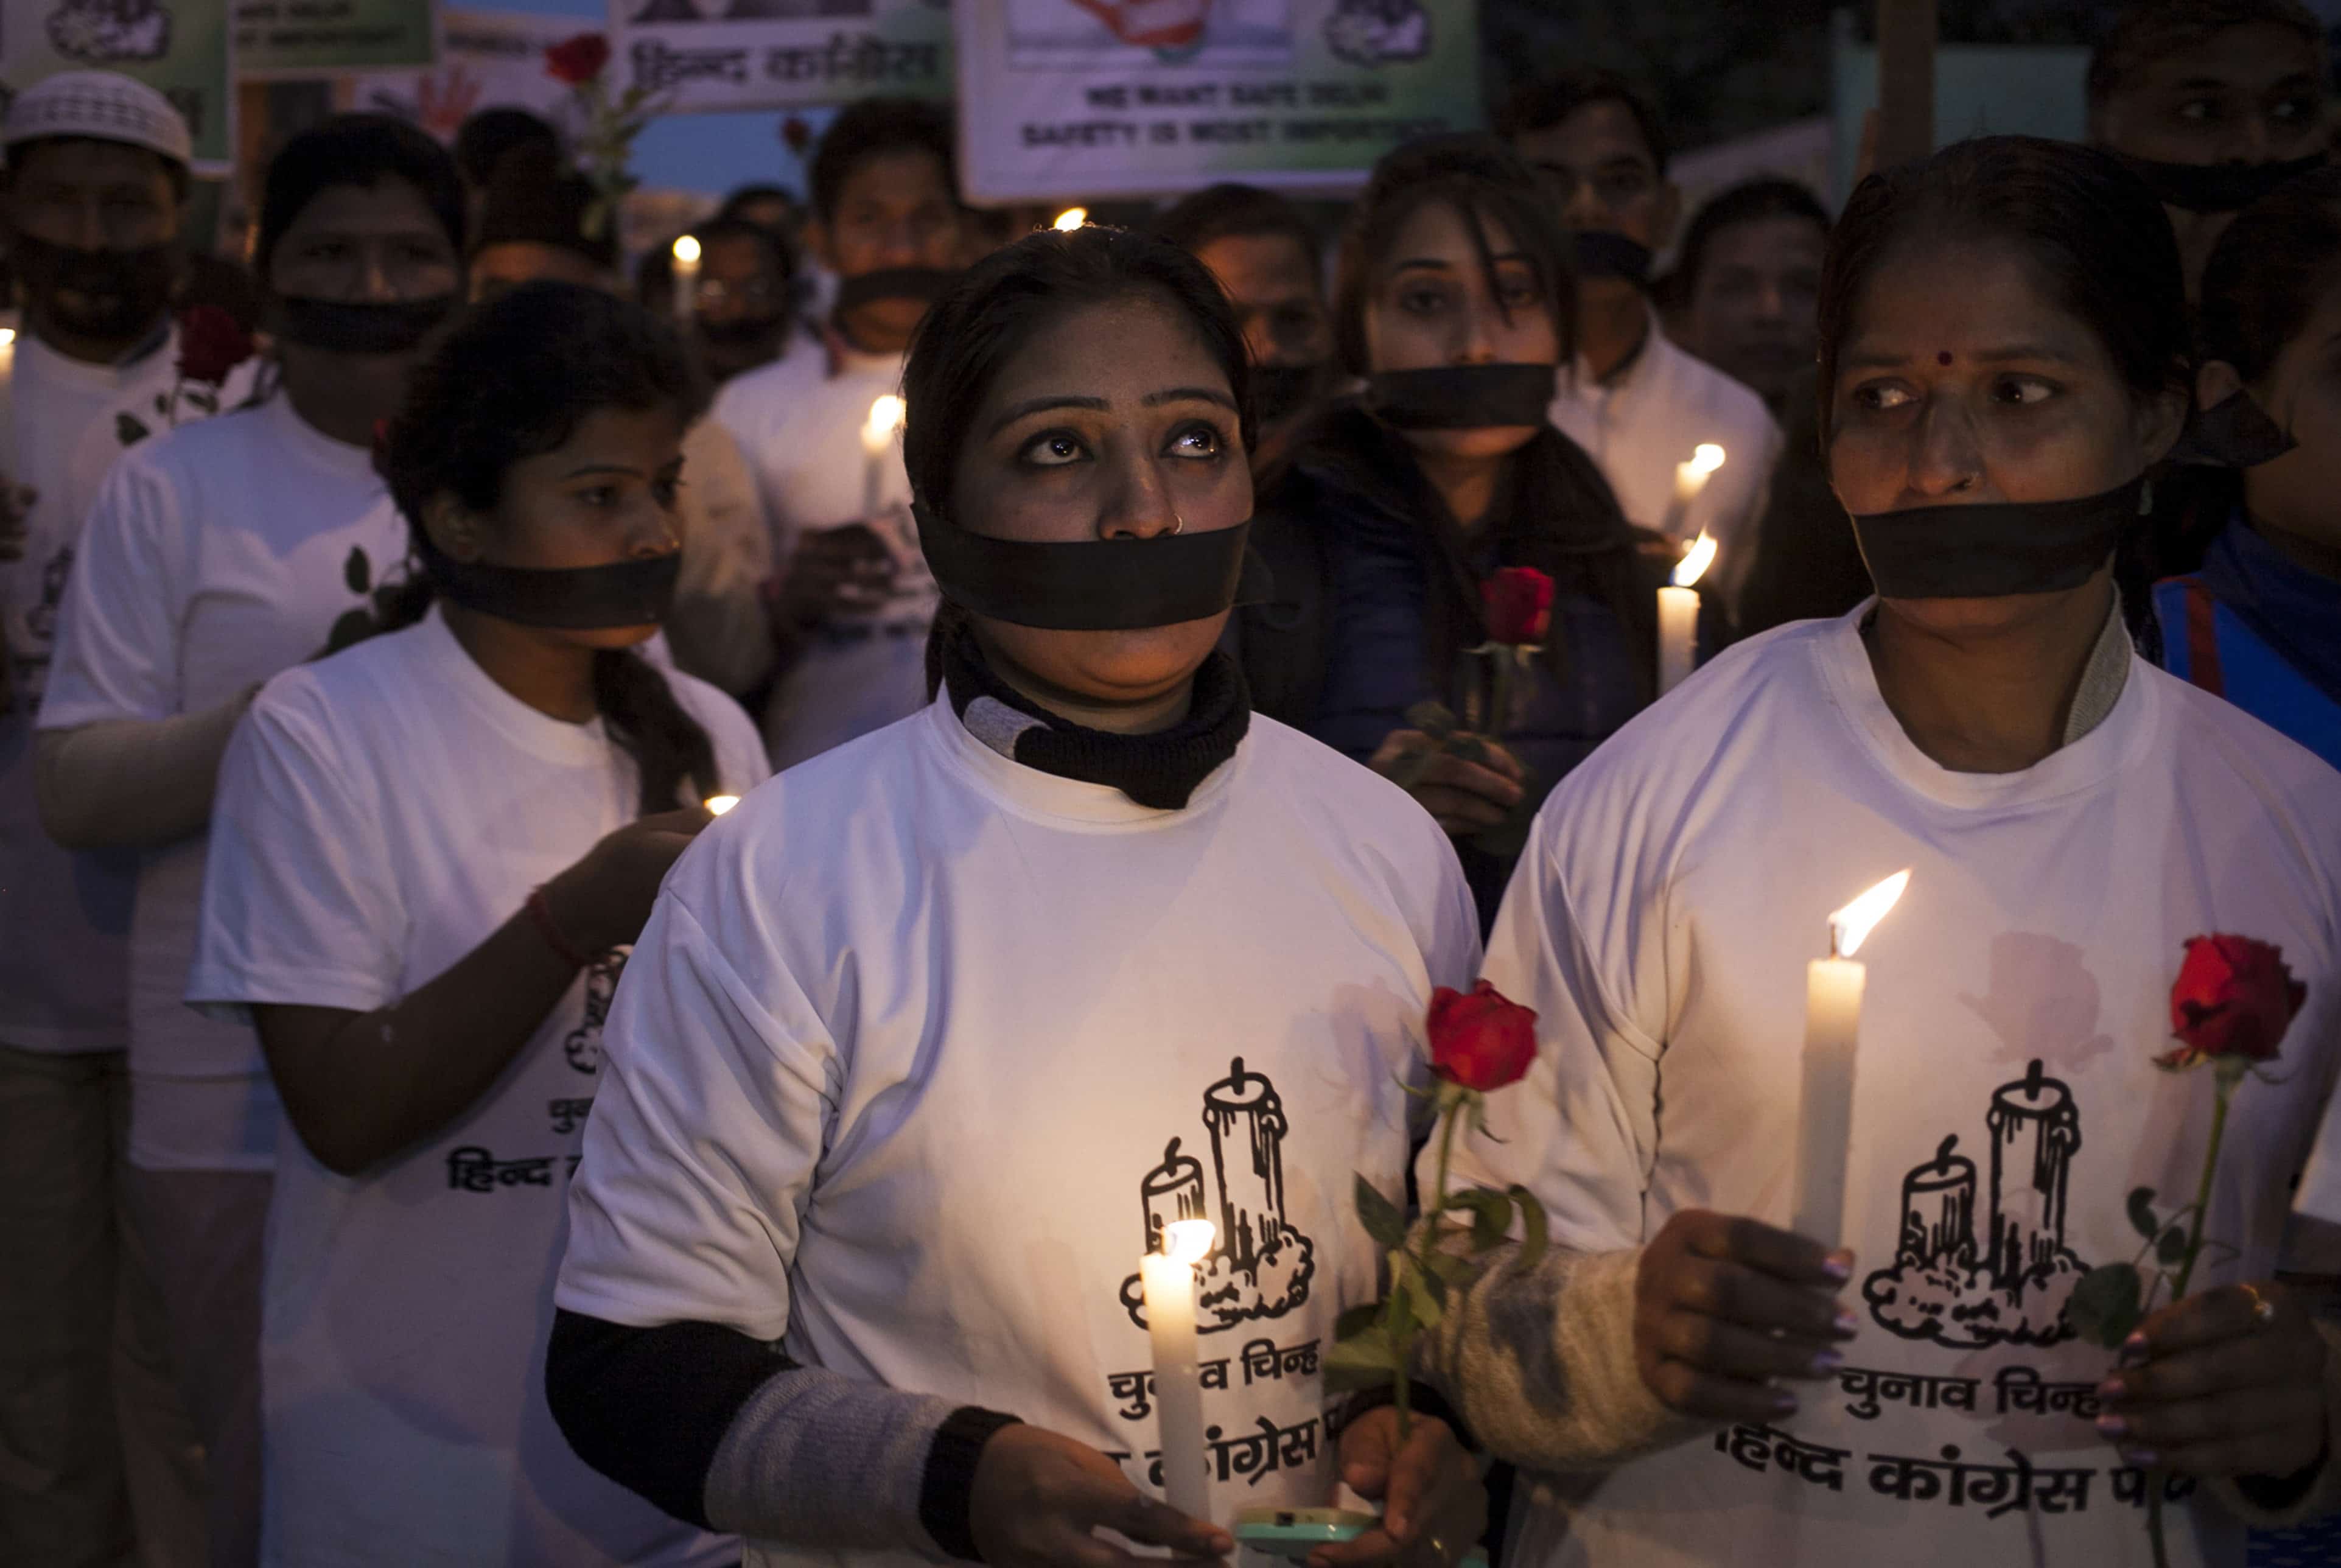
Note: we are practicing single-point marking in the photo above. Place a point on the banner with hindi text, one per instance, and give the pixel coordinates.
(727, 54)
(179, 47)
(1074, 99)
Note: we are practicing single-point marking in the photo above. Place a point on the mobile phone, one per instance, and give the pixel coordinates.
(1294, 1532)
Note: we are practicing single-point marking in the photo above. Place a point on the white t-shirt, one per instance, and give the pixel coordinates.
(919, 1042)
(799, 421)
(2005, 1097)
(65, 966)
(216, 555)
(380, 815)
(1647, 419)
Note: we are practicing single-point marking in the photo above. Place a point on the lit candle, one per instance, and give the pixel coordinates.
(8, 404)
(686, 279)
(1168, 1280)
(717, 805)
(878, 450)
(1071, 219)
(1833, 988)
(1678, 616)
(1690, 478)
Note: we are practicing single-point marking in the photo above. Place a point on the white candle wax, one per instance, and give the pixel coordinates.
(1833, 988)
(686, 280)
(1678, 636)
(1168, 1280)
(878, 451)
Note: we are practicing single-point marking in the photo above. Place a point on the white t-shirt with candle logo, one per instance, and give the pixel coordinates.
(2006, 1100)
(799, 421)
(921, 1046)
(216, 554)
(380, 815)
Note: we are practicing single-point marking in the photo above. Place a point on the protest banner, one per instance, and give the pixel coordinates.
(179, 47)
(305, 38)
(705, 55)
(1065, 99)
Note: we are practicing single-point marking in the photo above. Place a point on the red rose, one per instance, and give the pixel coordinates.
(578, 60)
(1518, 602)
(2233, 998)
(212, 344)
(1481, 1041)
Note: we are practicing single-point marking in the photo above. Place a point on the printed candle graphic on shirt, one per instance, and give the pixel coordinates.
(2006, 1282)
(1262, 1265)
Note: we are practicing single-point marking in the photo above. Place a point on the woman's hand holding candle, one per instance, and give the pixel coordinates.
(1434, 1504)
(603, 900)
(1040, 1498)
(1724, 1305)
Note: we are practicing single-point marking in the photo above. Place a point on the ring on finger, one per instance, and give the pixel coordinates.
(2262, 1308)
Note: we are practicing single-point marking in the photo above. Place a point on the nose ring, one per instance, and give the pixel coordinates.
(1177, 525)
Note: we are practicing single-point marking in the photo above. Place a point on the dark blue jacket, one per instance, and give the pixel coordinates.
(1376, 599)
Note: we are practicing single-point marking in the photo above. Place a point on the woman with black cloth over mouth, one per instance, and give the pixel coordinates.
(1456, 304)
(2003, 356)
(913, 1033)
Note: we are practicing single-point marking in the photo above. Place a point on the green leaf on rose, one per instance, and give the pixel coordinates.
(1358, 1320)
(357, 572)
(2170, 1249)
(1367, 1360)
(1536, 1233)
(2106, 1306)
(1490, 1212)
(1457, 1271)
(1383, 1220)
(2142, 1216)
(1430, 1300)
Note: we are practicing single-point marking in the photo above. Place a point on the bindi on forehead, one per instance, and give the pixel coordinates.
(1944, 357)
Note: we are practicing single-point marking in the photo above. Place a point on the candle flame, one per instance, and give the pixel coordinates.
(1188, 1241)
(1695, 561)
(717, 805)
(686, 250)
(885, 418)
(1849, 927)
(1706, 457)
(1071, 219)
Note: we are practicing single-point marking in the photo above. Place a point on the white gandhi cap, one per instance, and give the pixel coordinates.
(103, 106)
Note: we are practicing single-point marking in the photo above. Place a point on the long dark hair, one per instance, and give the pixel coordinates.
(513, 381)
(2093, 233)
(1555, 513)
(993, 311)
(1488, 185)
